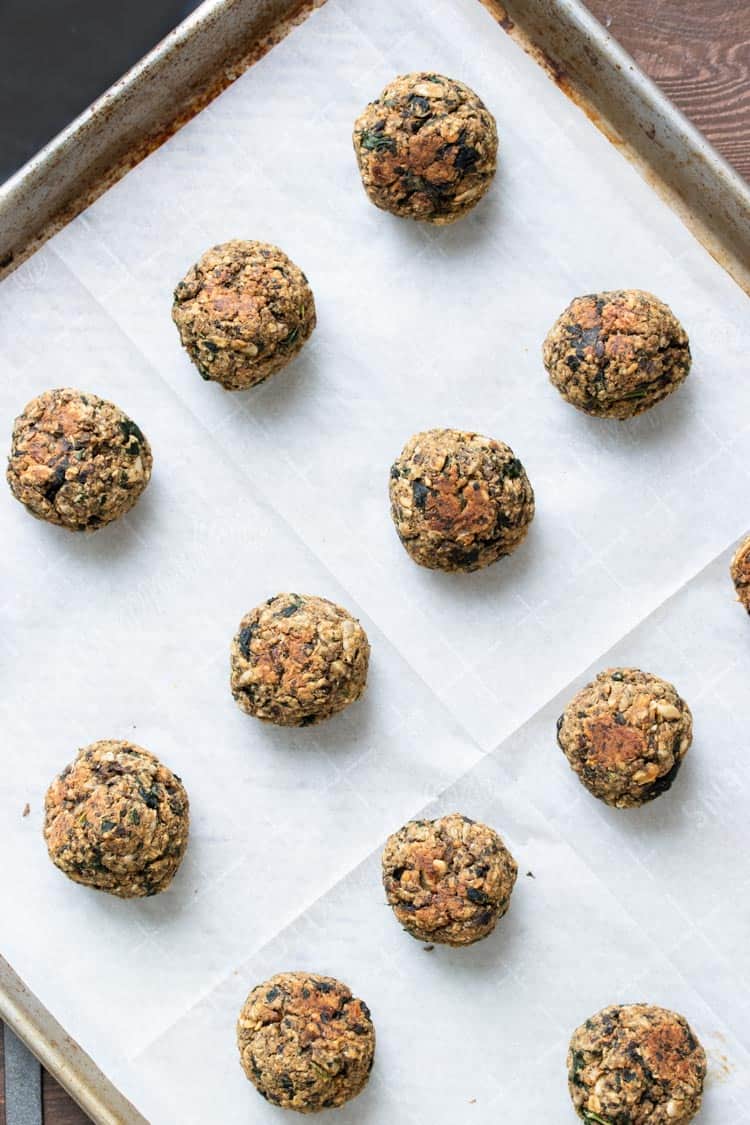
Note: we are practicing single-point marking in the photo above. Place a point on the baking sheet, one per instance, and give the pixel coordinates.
(125, 634)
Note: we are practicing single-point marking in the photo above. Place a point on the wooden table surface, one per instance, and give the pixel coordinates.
(699, 53)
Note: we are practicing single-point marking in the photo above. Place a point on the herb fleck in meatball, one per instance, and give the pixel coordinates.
(625, 735)
(76, 460)
(243, 312)
(117, 819)
(448, 880)
(426, 148)
(617, 354)
(298, 659)
(740, 571)
(636, 1064)
(459, 501)
(305, 1042)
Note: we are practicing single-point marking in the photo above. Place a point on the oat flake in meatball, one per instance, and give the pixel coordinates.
(305, 1042)
(448, 880)
(243, 312)
(117, 819)
(426, 148)
(459, 501)
(298, 659)
(617, 354)
(740, 571)
(636, 1064)
(76, 460)
(625, 735)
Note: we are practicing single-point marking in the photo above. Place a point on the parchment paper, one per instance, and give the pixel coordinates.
(126, 633)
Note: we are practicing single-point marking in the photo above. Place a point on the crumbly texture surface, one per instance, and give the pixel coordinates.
(740, 571)
(636, 1064)
(459, 501)
(448, 880)
(617, 354)
(117, 819)
(298, 659)
(625, 735)
(426, 148)
(305, 1042)
(243, 312)
(76, 460)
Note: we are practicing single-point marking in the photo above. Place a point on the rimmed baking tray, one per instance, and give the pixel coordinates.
(180, 77)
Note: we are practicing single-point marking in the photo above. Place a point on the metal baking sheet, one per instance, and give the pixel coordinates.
(125, 634)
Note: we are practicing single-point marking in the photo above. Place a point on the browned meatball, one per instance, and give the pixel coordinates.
(76, 460)
(426, 148)
(636, 1064)
(117, 819)
(617, 354)
(740, 571)
(243, 312)
(625, 735)
(298, 659)
(459, 501)
(305, 1042)
(448, 880)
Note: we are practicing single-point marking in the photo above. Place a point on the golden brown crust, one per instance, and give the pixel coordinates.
(243, 312)
(625, 735)
(448, 880)
(305, 1042)
(76, 460)
(116, 819)
(459, 501)
(426, 148)
(616, 354)
(740, 571)
(636, 1064)
(298, 659)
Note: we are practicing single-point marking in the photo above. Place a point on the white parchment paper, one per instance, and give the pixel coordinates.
(126, 633)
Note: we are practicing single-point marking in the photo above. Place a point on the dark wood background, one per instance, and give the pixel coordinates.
(699, 53)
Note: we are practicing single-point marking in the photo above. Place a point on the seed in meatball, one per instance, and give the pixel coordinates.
(616, 354)
(426, 148)
(305, 1042)
(76, 460)
(448, 880)
(459, 501)
(243, 312)
(298, 659)
(740, 571)
(117, 819)
(636, 1064)
(625, 735)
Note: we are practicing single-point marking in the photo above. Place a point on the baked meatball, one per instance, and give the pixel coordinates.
(298, 659)
(740, 571)
(305, 1042)
(617, 354)
(636, 1064)
(117, 819)
(76, 460)
(448, 880)
(426, 148)
(625, 735)
(243, 312)
(459, 501)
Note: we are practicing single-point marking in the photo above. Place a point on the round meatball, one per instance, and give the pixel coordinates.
(625, 735)
(459, 501)
(635, 1064)
(76, 460)
(740, 571)
(448, 880)
(305, 1042)
(117, 819)
(297, 659)
(617, 354)
(243, 312)
(426, 148)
